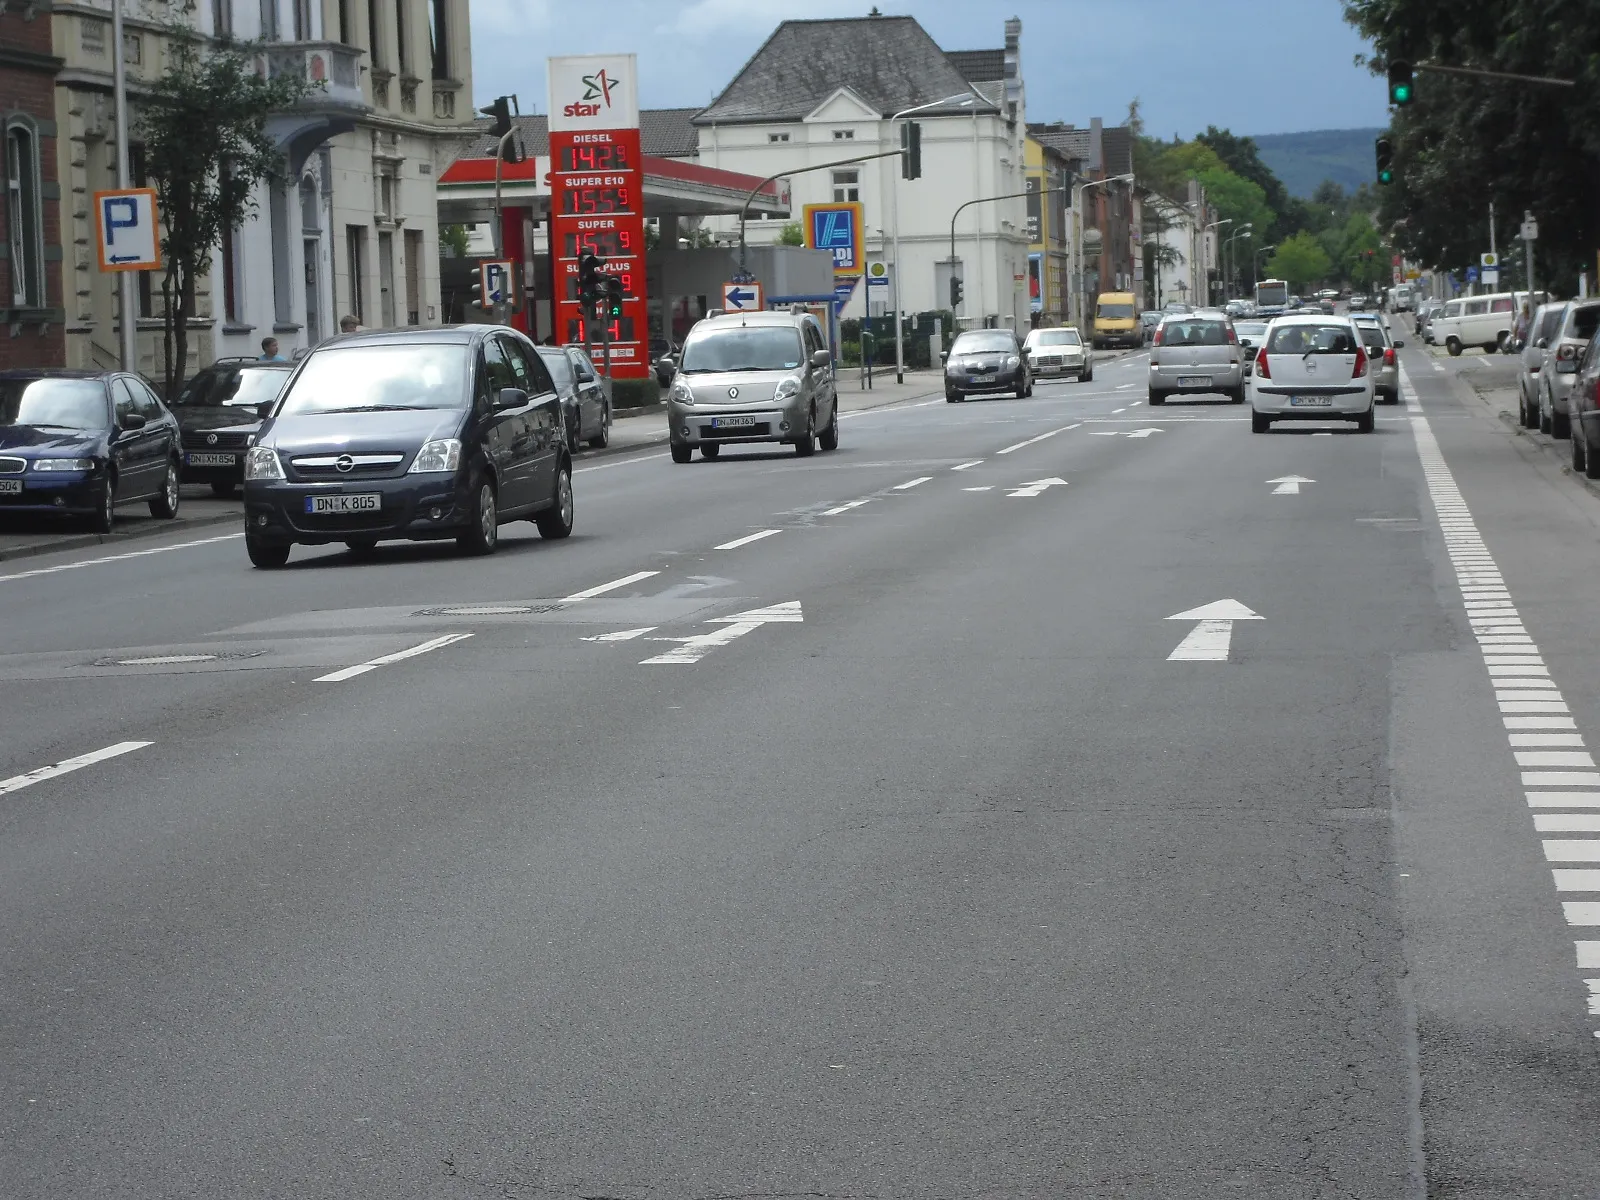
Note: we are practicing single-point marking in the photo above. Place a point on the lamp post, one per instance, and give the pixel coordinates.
(1255, 258)
(1079, 189)
(1214, 225)
(1242, 232)
(894, 206)
(127, 345)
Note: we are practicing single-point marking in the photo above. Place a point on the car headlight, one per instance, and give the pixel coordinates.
(441, 454)
(681, 392)
(63, 464)
(262, 463)
(952, 367)
(1013, 363)
(788, 389)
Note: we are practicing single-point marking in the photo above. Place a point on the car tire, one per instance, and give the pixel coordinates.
(681, 453)
(555, 522)
(104, 518)
(1236, 397)
(1367, 421)
(1578, 456)
(952, 397)
(573, 439)
(709, 450)
(1084, 377)
(483, 535)
(602, 439)
(361, 547)
(266, 556)
(1259, 422)
(1544, 421)
(165, 503)
(1156, 398)
(806, 444)
(1591, 461)
(223, 491)
(1453, 345)
(829, 438)
(1560, 425)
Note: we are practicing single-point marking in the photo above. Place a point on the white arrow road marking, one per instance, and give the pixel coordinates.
(1211, 638)
(747, 539)
(1146, 432)
(1289, 485)
(1035, 488)
(384, 660)
(17, 782)
(844, 508)
(609, 587)
(622, 635)
(693, 649)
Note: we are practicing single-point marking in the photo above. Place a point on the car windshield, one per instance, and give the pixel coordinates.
(1058, 337)
(243, 387)
(742, 348)
(560, 367)
(1114, 312)
(1584, 322)
(1312, 339)
(374, 378)
(995, 341)
(54, 403)
(1194, 333)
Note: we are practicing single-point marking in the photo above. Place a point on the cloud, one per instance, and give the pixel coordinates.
(701, 17)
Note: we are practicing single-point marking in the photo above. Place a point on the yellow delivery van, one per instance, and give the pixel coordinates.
(1116, 321)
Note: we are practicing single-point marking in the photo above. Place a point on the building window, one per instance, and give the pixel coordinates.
(844, 135)
(403, 48)
(846, 185)
(24, 221)
(355, 237)
(222, 18)
(347, 23)
(302, 20)
(92, 35)
(231, 291)
(380, 60)
(269, 20)
(777, 137)
(132, 49)
(385, 185)
(439, 37)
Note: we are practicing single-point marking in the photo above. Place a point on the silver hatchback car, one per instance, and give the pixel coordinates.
(1380, 346)
(1194, 353)
(753, 377)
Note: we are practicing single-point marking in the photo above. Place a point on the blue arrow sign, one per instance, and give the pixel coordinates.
(739, 297)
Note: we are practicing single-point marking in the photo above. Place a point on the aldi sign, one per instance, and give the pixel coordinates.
(836, 228)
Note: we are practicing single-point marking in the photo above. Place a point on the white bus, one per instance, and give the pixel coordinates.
(1272, 297)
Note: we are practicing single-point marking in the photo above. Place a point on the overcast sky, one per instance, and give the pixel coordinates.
(1253, 66)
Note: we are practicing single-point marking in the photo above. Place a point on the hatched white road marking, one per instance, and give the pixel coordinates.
(911, 483)
(603, 588)
(693, 649)
(1210, 639)
(106, 558)
(17, 782)
(384, 660)
(747, 539)
(1040, 438)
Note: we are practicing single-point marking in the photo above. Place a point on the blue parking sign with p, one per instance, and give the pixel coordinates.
(125, 227)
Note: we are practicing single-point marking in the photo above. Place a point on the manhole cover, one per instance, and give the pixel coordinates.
(175, 660)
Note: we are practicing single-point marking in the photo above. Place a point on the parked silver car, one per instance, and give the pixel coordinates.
(1058, 352)
(1194, 353)
(1552, 400)
(753, 377)
(1531, 355)
(1380, 355)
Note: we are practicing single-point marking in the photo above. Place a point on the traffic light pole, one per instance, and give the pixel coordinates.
(744, 210)
(500, 313)
(986, 200)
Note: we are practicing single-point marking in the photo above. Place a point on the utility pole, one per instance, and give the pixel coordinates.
(1491, 239)
(127, 332)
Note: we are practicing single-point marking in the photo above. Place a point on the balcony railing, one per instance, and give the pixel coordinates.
(333, 69)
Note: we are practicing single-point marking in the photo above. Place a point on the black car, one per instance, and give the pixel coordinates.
(82, 442)
(586, 414)
(412, 434)
(986, 361)
(219, 411)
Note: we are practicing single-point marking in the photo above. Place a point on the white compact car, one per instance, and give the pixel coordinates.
(1311, 369)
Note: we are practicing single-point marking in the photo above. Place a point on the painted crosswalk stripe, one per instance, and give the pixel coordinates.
(67, 765)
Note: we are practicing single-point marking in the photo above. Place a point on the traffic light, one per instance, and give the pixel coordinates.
(1385, 156)
(911, 150)
(590, 284)
(956, 291)
(500, 110)
(612, 301)
(477, 296)
(1400, 83)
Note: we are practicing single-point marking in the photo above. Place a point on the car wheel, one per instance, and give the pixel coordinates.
(1453, 345)
(105, 507)
(165, 504)
(1578, 455)
(361, 547)
(1560, 425)
(1157, 398)
(266, 555)
(1591, 461)
(572, 436)
(830, 436)
(710, 450)
(681, 453)
(806, 444)
(223, 490)
(556, 521)
(1237, 397)
(1084, 377)
(602, 439)
(483, 534)
(1367, 421)
(1530, 414)
(1260, 422)
(1544, 420)
(952, 397)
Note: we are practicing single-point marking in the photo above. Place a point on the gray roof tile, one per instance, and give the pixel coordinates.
(979, 66)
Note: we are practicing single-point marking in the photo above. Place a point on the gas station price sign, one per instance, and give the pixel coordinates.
(597, 207)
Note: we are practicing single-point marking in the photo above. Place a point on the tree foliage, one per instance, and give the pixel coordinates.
(1300, 261)
(203, 124)
(1463, 143)
(791, 234)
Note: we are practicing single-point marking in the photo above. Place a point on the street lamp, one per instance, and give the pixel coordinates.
(1079, 189)
(1255, 259)
(1242, 232)
(1214, 225)
(894, 205)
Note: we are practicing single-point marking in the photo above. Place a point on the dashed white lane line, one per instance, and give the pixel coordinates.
(844, 508)
(967, 466)
(1556, 772)
(911, 483)
(1040, 438)
(341, 675)
(626, 462)
(603, 588)
(17, 782)
(94, 562)
(1115, 411)
(747, 539)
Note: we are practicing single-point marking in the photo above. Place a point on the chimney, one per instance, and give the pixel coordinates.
(1097, 157)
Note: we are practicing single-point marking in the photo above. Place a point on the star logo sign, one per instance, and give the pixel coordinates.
(598, 87)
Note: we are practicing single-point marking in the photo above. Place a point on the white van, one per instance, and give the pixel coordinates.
(1478, 321)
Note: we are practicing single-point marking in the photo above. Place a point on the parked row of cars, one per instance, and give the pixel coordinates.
(1551, 358)
(1486, 321)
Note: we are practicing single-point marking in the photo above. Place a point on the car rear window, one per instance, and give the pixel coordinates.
(1585, 320)
(243, 387)
(1194, 333)
(1312, 339)
(1371, 336)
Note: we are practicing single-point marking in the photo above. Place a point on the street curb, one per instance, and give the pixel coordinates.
(1548, 445)
(78, 541)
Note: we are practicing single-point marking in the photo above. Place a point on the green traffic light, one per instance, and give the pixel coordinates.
(1385, 176)
(1400, 94)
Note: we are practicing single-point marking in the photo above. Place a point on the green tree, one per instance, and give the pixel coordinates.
(1300, 261)
(453, 238)
(203, 124)
(1242, 156)
(791, 234)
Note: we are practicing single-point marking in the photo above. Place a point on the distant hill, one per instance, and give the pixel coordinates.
(1303, 160)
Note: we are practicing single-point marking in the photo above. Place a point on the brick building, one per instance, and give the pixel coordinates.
(30, 212)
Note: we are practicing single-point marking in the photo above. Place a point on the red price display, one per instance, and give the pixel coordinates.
(606, 156)
(621, 330)
(584, 201)
(625, 276)
(607, 243)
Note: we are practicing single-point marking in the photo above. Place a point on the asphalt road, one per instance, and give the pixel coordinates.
(862, 840)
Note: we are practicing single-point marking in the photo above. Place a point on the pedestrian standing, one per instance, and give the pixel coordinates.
(349, 324)
(269, 350)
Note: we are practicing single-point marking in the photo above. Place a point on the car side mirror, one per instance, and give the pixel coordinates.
(264, 409)
(667, 363)
(1542, 344)
(511, 397)
(821, 358)
(944, 356)
(133, 420)
(1399, 345)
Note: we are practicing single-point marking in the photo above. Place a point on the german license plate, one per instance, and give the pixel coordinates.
(10, 487)
(209, 460)
(1310, 401)
(317, 506)
(732, 422)
(1194, 381)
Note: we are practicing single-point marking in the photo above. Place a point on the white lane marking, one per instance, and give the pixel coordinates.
(1040, 438)
(627, 462)
(747, 539)
(911, 483)
(844, 508)
(588, 593)
(94, 562)
(17, 782)
(968, 465)
(1122, 387)
(1037, 487)
(693, 649)
(1115, 411)
(1105, 433)
(1211, 639)
(622, 635)
(1289, 485)
(384, 660)
(978, 489)
(1522, 686)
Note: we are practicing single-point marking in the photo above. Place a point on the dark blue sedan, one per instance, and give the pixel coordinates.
(80, 443)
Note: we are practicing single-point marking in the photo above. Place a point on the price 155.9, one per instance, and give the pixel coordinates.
(607, 243)
(588, 200)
